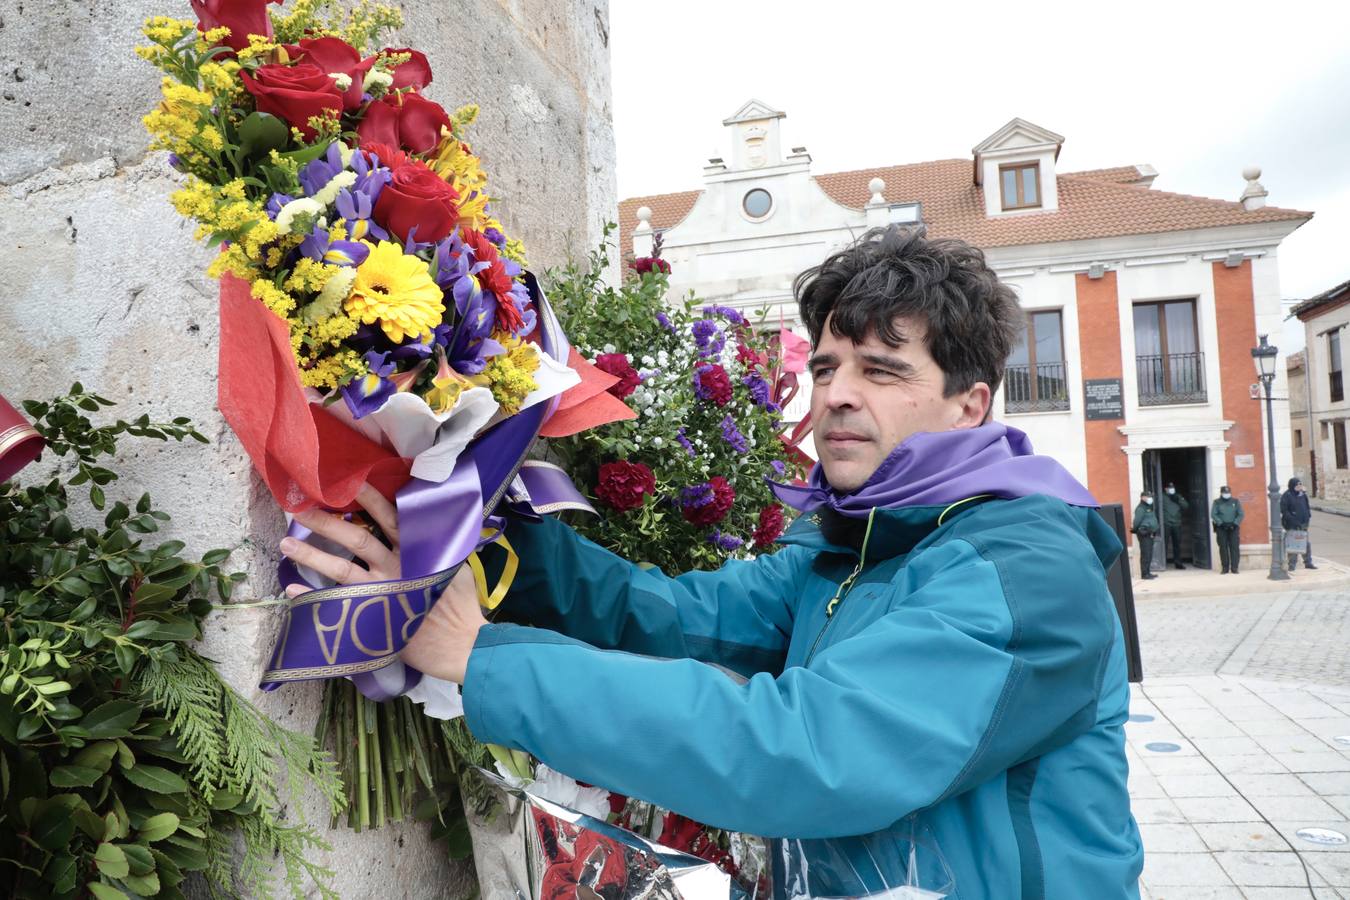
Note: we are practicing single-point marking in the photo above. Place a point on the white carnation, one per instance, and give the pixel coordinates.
(376, 79)
(306, 209)
(341, 79)
(329, 193)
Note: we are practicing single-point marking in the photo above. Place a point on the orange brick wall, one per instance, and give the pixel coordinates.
(1099, 342)
(1236, 314)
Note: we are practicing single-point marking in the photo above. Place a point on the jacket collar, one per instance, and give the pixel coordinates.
(895, 531)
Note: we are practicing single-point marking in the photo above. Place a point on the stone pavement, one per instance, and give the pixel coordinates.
(1239, 739)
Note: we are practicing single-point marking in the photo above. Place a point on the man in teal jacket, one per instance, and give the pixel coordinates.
(932, 661)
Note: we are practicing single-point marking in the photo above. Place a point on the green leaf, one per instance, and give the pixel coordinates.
(157, 828)
(74, 776)
(215, 557)
(76, 586)
(52, 827)
(260, 133)
(176, 630)
(112, 861)
(89, 822)
(152, 592)
(103, 891)
(155, 778)
(61, 873)
(143, 885)
(139, 858)
(222, 800)
(97, 756)
(126, 657)
(84, 610)
(112, 719)
(96, 497)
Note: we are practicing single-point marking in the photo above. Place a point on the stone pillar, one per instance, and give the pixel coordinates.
(104, 284)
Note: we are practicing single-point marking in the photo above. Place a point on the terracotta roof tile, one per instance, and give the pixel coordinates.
(1092, 204)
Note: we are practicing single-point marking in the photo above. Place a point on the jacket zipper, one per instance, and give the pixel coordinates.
(844, 587)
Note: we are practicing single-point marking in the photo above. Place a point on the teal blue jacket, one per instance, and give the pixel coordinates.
(961, 676)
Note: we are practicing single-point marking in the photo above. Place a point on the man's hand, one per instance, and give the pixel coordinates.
(442, 644)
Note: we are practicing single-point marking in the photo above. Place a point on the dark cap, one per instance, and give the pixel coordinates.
(1225, 488)
(1169, 484)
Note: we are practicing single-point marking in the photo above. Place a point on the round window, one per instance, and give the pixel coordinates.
(757, 203)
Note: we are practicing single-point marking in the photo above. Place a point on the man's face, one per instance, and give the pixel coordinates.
(869, 397)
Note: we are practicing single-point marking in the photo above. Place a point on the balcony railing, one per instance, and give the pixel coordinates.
(1174, 378)
(1035, 389)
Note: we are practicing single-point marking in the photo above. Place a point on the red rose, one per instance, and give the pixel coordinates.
(417, 197)
(336, 56)
(770, 525)
(410, 121)
(711, 383)
(415, 73)
(622, 485)
(713, 504)
(242, 17)
(295, 94)
(617, 365)
(495, 280)
(644, 264)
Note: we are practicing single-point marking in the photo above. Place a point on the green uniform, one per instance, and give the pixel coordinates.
(1227, 516)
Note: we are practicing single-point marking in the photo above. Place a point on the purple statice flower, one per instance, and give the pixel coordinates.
(664, 321)
(732, 435)
(355, 206)
(696, 495)
(367, 394)
(700, 391)
(320, 248)
(727, 312)
(706, 334)
(724, 541)
(495, 236)
(317, 173)
(275, 203)
(684, 442)
(759, 392)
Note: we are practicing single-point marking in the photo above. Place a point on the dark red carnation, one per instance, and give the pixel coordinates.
(415, 73)
(334, 56)
(715, 502)
(417, 197)
(622, 485)
(617, 365)
(644, 264)
(770, 526)
(409, 121)
(711, 383)
(242, 17)
(295, 94)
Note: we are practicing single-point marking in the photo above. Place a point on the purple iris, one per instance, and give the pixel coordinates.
(778, 466)
(520, 299)
(317, 173)
(355, 206)
(472, 342)
(733, 315)
(732, 435)
(366, 394)
(371, 177)
(455, 268)
(495, 236)
(320, 248)
(175, 162)
(275, 203)
(684, 442)
(724, 541)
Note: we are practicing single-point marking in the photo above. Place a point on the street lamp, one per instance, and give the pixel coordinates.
(1265, 354)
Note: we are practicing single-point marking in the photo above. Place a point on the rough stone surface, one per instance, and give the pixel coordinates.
(103, 283)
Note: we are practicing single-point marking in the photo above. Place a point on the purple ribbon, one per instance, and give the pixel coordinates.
(355, 630)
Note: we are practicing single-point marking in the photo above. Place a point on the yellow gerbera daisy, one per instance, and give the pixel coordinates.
(397, 291)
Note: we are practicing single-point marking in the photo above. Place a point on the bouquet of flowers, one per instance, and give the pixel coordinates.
(377, 323)
(683, 484)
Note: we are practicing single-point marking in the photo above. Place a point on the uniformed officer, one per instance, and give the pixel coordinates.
(1226, 514)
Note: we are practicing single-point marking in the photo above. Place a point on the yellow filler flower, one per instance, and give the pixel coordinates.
(397, 291)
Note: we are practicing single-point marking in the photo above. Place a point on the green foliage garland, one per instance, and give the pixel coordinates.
(126, 763)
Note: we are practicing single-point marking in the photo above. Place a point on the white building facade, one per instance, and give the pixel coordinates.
(1322, 428)
(1135, 367)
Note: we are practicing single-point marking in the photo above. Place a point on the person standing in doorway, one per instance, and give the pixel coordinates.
(1226, 514)
(1145, 527)
(1174, 507)
(1295, 514)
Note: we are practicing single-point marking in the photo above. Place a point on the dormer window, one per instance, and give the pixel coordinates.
(1020, 185)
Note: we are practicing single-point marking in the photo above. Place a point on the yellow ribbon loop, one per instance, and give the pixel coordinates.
(491, 599)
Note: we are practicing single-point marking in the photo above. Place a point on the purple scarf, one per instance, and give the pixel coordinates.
(942, 467)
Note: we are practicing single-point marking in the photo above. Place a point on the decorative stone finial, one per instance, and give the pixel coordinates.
(644, 216)
(876, 186)
(1254, 195)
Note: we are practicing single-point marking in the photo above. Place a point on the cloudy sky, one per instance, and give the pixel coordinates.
(1198, 90)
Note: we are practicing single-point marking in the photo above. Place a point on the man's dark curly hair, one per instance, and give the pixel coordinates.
(972, 318)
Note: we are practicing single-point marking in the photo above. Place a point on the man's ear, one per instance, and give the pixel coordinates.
(976, 406)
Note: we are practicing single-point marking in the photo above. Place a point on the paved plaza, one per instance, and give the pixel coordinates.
(1239, 738)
